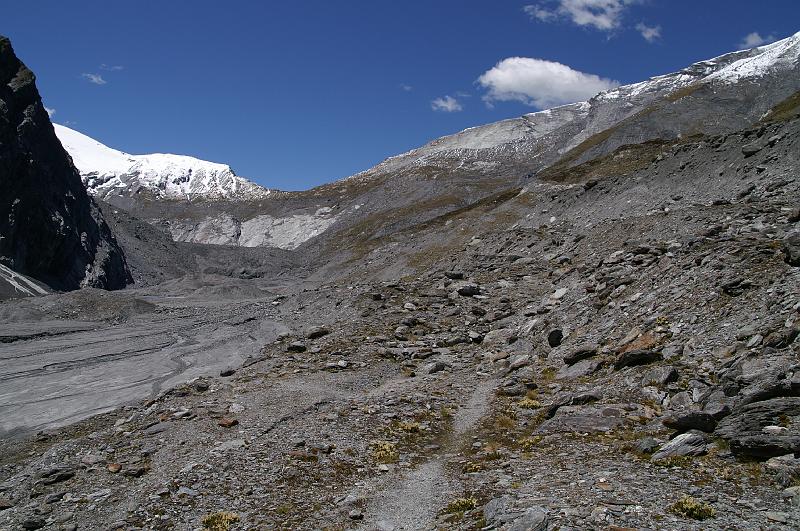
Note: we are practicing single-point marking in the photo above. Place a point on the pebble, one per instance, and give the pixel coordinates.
(559, 293)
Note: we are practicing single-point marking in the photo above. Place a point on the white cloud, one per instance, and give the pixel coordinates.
(649, 33)
(97, 79)
(111, 68)
(446, 104)
(605, 15)
(751, 40)
(50, 112)
(540, 83)
(540, 13)
(406, 88)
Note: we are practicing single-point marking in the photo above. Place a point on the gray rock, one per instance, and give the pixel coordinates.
(33, 523)
(495, 509)
(693, 420)
(512, 389)
(188, 492)
(585, 367)
(583, 419)
(579, 354)
(660, 376)
(588, 397)
(157, 428)
(434, 367)
(534, 519)
(786, 469)
(296, 346)
(648, 445)
(53, 497)
(519, 362)
(736, 287)
(57, 475)
(637, 357)
(783, 337)
(469, 290)
(99, 495)
(317, 332)
(717, 404)
(744, 428)
(691, 443)
(751, 149)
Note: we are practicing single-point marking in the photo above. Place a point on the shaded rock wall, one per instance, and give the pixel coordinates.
(50, 229)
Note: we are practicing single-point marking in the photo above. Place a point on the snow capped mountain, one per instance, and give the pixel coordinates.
(109, 172)
(539, 138)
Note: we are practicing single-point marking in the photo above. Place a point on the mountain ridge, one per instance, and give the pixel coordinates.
(729, 67)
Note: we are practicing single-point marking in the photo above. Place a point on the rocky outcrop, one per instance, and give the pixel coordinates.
(50, 229)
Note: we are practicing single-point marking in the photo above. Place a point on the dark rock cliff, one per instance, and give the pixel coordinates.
(50, 229)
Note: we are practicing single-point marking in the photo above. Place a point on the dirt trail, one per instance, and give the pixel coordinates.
(412, 500)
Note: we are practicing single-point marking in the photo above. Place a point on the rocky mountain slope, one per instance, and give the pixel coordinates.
(50, 230)
(108, 173)
(714, 96)
(613, 346)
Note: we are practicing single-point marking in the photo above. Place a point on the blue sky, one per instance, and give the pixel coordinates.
(295, 94)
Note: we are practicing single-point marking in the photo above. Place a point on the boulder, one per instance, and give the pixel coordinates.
(745, 427)
(317, 332)
(582, 368)
(580, 353)
(690, 443)
(791, 249)
(660, 376)
(534, 519)
(637, 357)
(693, 420)
(468, 290)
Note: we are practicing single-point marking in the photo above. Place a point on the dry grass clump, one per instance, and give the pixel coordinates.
(384, 452)
(461, 505)
(529, 403)
(691, 508)
(220, 521)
